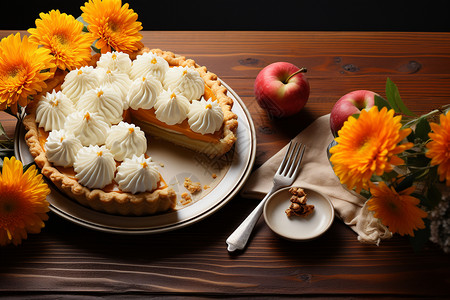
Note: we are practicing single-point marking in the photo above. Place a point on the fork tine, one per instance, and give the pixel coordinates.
(290, 166)
(285, 159)
(289, 154)
(289, 162)
(295, 167)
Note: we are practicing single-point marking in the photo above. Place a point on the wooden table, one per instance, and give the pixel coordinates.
(68, 260)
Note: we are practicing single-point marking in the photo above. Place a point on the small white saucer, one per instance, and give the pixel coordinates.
(295, 227)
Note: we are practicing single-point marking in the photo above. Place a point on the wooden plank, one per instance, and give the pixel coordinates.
(193, 260)
(68, 260)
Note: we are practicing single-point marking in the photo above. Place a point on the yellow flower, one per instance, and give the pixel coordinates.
(367, 146)
(23, 70)
(23, 204)
(64, 37)
(439, 147)
(397, 211)
(115, 26)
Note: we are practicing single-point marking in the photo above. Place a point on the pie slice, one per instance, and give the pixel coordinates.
(217, 143)
(86, 131)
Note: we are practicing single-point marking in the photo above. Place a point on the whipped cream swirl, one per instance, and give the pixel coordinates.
(171, 108)
(52, 110)
(94, 167)
(118, 82)
(205, 116)
(61, 148)
(186, 81)
(89, 128)
(143, 92)
(137, 174)
(104, 101)
(149, 64)
(79, 81)
(124, 140)
(115, 61)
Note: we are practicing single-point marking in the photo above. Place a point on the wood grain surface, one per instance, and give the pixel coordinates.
(67, 260)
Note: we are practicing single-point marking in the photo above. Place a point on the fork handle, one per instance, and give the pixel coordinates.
(238, 239)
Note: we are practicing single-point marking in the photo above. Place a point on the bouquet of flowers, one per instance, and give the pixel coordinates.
(399, 161)
(58, 44)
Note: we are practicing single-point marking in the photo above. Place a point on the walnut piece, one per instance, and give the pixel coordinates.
(192, 187)
(185, 199)
(298, 205)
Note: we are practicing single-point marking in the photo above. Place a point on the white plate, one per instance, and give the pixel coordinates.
(295, 227)
(231, 170)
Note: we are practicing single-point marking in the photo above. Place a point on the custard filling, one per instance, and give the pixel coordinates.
(149, 116)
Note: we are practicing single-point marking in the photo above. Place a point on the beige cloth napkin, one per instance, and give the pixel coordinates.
(316, 173)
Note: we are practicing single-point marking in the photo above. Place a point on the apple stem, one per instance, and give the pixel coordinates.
(301, 70)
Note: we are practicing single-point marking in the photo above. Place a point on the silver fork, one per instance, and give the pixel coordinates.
(285, 176)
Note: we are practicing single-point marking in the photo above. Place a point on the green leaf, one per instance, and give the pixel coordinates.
(380, 102)
(391, 89)
(418, 160)
(411, 137)
(422, 129)
(356, 116)
(394, 99)
(406, 182)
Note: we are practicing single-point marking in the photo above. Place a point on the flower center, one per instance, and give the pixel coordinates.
(130, 130)
(62, 39)
(393, 203)
(144, 165)
(113, 26)
(13, 72)
(8, 207)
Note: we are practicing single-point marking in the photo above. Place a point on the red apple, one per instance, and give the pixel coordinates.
(350, 104)
(282, 89)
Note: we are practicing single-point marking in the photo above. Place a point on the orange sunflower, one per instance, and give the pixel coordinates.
(23, 70)
(439, 147)
(64, 37)
(367, 146)
(23, 204)
(397, 211)
(115, 26)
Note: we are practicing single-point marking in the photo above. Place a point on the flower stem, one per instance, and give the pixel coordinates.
(431, 113)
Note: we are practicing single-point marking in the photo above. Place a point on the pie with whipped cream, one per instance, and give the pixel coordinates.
(87, 131)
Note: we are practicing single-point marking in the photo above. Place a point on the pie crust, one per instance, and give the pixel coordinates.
(163, 198)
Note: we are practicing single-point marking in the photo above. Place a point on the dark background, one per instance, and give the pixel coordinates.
(394, 15)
